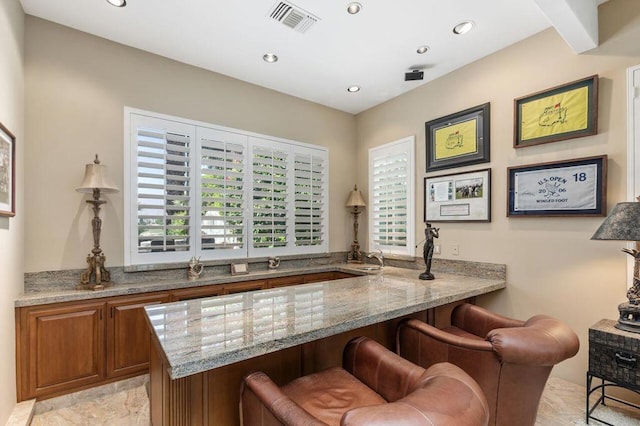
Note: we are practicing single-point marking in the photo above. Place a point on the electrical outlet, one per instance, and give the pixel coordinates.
(436, 249)
(455, 250)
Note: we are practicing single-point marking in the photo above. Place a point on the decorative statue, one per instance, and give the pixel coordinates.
(195, 268)
(274, 262)
(427, 253)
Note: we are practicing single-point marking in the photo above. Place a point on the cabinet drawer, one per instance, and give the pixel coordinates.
(615, 364)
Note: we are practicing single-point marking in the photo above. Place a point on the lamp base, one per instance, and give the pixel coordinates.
(96, 276)
(354, 256)
(629, 317)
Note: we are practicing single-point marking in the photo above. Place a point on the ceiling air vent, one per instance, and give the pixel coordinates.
(292, 16)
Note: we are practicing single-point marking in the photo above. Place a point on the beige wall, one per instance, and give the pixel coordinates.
(552, 266)
(11, 229)
(76, 88)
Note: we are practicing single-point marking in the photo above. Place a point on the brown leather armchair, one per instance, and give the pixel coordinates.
(374, 387)
(510, 359)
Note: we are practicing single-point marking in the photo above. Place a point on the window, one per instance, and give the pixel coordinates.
(201, 190)
(391, 197)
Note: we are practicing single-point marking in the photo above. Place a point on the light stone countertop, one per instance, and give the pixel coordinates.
(59, 296)
(202, 334)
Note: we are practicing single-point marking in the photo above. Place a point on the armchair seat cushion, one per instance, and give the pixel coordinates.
(329, 394)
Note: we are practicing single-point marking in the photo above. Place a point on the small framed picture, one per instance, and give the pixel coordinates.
(562, 188)
(239, 268)
(459, 139)
(7, 172)
(459, 197)
(562, 112)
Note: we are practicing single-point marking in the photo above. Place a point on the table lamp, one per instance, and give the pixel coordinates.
(623, 223)
(356, 201)
(95, 277)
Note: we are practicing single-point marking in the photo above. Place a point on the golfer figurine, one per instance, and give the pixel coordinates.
(429, 234)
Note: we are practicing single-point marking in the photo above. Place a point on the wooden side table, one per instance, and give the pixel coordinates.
(614, 357)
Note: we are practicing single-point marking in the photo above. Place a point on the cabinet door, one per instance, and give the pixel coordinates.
(128, 336)
(64, 348)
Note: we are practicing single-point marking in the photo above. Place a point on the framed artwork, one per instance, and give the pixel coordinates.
(7, 172)
(458, 139)
(562, 112)
(459, 197)
(562, 188)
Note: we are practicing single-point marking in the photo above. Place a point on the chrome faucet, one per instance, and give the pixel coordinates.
(378, 256)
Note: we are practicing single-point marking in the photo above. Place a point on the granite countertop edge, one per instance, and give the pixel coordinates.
(183, 369)
(60, 296)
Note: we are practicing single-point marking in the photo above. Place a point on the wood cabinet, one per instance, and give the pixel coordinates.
(61, 347)
(319, 276)
(244, 286)
(196, 292)
(128, 334)
(66, 347)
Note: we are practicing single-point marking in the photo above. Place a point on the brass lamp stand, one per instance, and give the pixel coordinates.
(356, 201)
(95, 277)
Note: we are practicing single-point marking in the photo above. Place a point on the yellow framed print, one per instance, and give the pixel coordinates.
(563, 112)
(458, 139)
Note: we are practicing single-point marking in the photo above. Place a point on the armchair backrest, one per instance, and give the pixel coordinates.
(510, 359)
(389, 375)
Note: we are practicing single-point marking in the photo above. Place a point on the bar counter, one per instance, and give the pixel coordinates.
(202, 348)
(202, 334)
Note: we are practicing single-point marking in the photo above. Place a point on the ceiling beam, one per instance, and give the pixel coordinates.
(575, 20)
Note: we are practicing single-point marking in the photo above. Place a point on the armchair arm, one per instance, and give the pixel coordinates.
(479, 321)
(389, 375)
(541, 341)
(263, 403)
(426, 331)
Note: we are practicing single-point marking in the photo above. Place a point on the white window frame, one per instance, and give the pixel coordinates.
(401, 146)
(195, 130)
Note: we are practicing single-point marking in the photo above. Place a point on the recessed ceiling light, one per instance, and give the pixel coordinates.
(354, 8)
(117, 3)
(463, 27)
(270, 57)
(422, 49)
(353, 89)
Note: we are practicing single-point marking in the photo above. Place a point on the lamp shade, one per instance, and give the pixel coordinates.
(95, 177)
(623, 223)
(355, 198)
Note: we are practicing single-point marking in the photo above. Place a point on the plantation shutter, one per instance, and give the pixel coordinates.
(269, 195)
(195, 189)
(310, 193)
(222, 186)
(391, 198)
(163, 189)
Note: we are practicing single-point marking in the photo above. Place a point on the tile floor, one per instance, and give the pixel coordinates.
(562, 405)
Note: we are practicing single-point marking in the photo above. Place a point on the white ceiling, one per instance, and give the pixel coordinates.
(372, 49)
